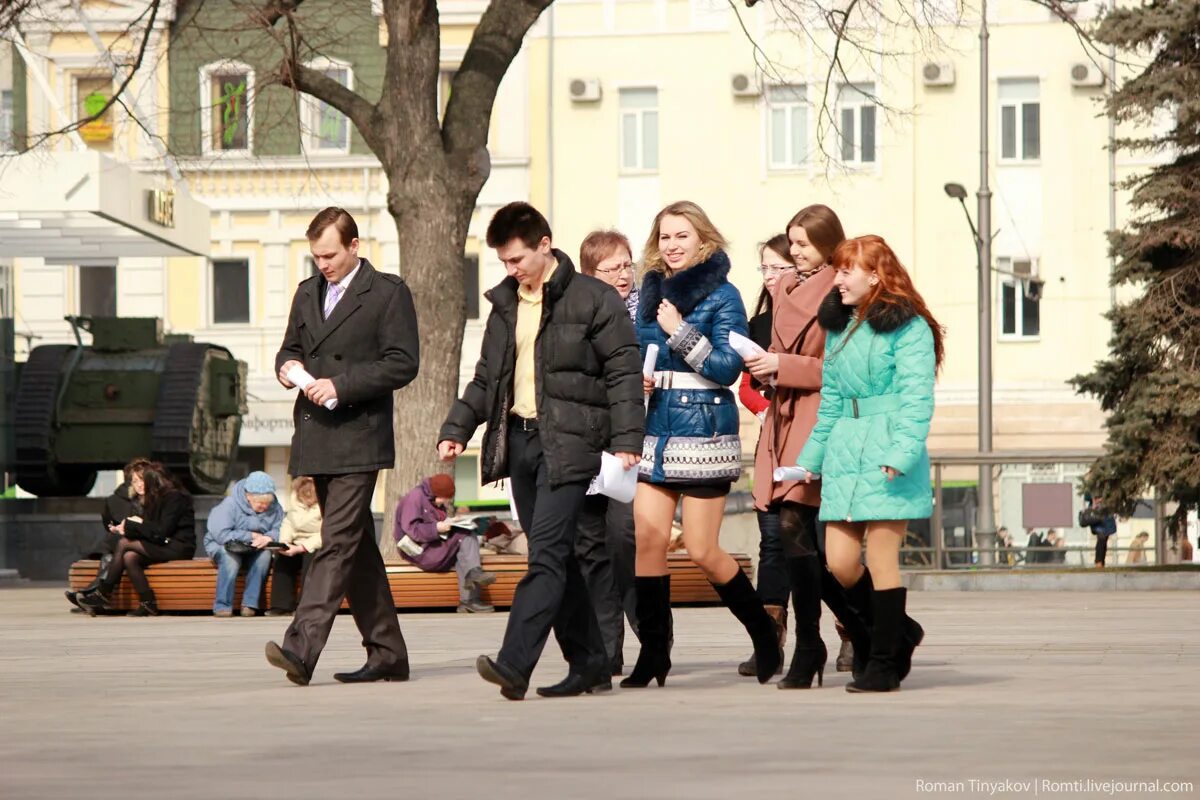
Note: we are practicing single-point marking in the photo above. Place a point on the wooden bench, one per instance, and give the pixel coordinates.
(191, 585)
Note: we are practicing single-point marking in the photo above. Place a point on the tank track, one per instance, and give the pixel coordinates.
(33, 427)
(171, 434)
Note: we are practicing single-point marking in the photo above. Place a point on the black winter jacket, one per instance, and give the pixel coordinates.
(587, 378)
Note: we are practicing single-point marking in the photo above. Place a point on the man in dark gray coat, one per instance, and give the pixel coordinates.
(354, 331)
(558, 382)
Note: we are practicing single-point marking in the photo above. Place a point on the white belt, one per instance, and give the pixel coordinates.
(683, 380)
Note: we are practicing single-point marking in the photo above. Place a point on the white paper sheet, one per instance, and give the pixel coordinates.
(614, 480)
(746, 348)
(300, 377)
(791, 474)
(651, 360)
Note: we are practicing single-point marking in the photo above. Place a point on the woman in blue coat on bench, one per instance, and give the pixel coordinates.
(165, 531)
(240, 529)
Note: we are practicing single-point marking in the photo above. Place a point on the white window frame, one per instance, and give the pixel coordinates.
(639, 114)
(1006, 263)
(211, 294)
(10, 145)
(309, 106)
(796, 162)
(1019, 131)
(859, 99)
(206, 103)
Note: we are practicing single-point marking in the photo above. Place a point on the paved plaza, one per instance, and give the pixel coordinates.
(1015, 686)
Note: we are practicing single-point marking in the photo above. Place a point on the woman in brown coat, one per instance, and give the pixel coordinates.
(794, 361)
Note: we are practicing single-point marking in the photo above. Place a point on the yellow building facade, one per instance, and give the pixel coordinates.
(616, 107)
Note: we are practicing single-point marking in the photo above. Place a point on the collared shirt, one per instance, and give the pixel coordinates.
(529, 319)
(342, 285)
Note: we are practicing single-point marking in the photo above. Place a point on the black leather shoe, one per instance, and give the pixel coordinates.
(289, 662)
(576, 684)
(512, 685)
(371, 674)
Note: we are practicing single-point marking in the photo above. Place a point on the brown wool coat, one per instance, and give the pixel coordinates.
(793, 410)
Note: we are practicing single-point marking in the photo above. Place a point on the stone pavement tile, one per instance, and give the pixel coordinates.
(1016, 686)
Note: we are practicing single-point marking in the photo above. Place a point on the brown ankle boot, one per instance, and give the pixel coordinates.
(845, 658)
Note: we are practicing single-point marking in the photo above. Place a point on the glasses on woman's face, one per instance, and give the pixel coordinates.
(771, 269)
(618, 269)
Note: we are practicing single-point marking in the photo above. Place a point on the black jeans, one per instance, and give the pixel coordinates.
(773, 585)
(1101, 549)
(553, 593)
(606, 550)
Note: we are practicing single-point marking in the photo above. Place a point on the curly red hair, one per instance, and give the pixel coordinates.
(895, 286)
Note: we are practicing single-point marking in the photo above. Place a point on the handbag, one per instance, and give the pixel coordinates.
(1090, 516)
(236, 548)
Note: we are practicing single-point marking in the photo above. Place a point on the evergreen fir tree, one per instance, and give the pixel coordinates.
(1150, 382)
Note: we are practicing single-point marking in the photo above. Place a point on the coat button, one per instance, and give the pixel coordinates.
(716, 401)
(683, 399)
(315, 354)
(337, 357)
(307, 415)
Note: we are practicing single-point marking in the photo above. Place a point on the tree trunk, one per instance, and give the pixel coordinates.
(432, 229)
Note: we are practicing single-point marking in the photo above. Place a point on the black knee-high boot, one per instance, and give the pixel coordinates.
(887, 638)
(654, 631)
(858, 613)
(73, 596)
(810, 654)
(739, 597)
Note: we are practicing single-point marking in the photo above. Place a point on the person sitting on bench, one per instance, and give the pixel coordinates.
(426, 538)
(301, 532)
(240, 528)
(123, 502)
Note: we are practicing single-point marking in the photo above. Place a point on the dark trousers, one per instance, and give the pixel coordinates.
(1101, 549)
(348, 565)
(553, 593)
(606, 550)
(285, 574)
(773, 585)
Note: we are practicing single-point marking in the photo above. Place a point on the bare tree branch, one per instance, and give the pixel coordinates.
(496, 42)
(115, 98)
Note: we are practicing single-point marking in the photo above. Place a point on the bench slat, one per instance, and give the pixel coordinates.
(190, 585)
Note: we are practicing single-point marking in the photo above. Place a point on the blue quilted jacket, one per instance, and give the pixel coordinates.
(711, 308)
(876, 406)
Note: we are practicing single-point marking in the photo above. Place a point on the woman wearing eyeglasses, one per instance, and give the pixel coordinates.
(795, 364)
(604, 539)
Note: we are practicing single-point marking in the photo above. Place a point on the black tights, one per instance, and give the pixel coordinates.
(798, 529)
(129, 556)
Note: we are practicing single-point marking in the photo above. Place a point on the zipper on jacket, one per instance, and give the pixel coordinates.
(863, 449)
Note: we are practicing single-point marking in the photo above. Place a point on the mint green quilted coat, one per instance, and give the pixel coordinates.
(885, 369)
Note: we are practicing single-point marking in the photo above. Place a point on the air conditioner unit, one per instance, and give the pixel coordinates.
(1033, 289)
(1084, 74)
(939, 73)
(1022, 269)
(585, 90)
(744, 84)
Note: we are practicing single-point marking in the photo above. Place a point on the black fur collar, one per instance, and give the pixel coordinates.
(686, 290)
(882, 317)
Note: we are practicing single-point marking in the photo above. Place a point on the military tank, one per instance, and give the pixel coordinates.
(131, 392)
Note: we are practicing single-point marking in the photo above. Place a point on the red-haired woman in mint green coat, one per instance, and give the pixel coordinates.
(882, 351)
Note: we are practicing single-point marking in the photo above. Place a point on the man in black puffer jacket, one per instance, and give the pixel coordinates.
(558, 382)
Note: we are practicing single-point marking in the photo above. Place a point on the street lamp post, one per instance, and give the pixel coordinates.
(985, 522)
(985, 526)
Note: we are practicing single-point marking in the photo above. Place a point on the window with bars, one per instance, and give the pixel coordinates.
(856, 123)
(1020, 120)
(787, 124)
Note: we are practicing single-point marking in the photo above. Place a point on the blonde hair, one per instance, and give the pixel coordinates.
(305, 487)
(711, 239)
